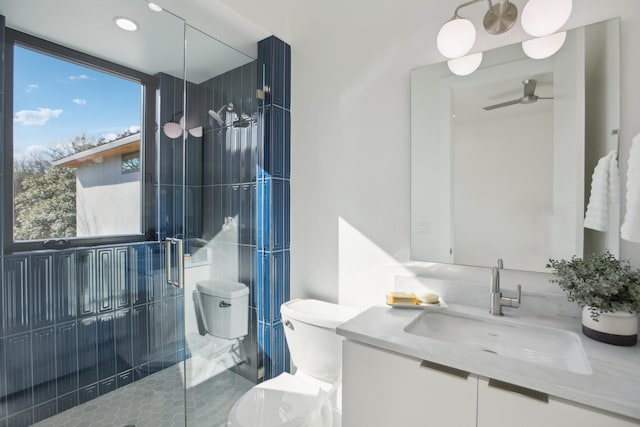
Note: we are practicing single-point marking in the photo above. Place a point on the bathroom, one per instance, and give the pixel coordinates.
(350, 115)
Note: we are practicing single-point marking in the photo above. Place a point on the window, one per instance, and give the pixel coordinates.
(74, 127)
(130, 162)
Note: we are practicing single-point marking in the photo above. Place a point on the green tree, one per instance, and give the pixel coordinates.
(44, 194)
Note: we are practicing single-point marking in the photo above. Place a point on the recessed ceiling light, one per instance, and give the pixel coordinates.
(125, 23)
(154, 6)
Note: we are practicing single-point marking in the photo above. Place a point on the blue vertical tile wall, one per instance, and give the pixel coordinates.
(229, 187)
(66, 344)
(272, 258)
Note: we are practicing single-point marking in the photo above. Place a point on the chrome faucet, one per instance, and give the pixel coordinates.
(497, 300)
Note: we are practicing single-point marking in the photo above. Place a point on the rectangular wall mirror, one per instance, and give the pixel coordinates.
(513, 182)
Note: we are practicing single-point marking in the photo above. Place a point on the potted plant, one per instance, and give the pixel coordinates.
(608, 290)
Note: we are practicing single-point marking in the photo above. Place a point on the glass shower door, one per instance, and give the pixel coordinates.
(220, 189)
(92, 326)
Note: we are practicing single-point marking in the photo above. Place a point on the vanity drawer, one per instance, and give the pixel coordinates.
(382, 388)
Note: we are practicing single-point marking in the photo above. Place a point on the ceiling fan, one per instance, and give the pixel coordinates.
(529, 96)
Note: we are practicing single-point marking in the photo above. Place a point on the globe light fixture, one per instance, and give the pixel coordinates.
(465, 65)
(540, 18)
(544, 47)
(456, 38)
(544, 17)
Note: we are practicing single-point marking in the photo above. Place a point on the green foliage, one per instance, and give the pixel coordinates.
(45, 195)
(600, 282)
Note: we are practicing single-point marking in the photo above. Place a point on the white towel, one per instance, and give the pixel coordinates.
(605, 190)
(630, 229)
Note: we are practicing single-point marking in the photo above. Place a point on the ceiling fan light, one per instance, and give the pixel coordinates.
(543, 17)
(544, 47)
(465, 65)
(456, 38)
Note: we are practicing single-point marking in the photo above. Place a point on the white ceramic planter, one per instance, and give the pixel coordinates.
(618, 328)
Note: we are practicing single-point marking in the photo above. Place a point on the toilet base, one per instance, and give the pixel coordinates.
(287, 400)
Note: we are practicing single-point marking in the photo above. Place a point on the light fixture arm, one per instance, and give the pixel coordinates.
(540, 18)
(469, 3)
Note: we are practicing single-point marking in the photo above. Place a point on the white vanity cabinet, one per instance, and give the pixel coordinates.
(501, 405)
(383, 389)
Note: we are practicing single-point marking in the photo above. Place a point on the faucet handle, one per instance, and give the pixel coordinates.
(515, 302)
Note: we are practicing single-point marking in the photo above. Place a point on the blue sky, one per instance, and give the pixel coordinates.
(54, 101)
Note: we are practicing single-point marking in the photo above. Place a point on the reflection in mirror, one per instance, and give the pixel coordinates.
(501, 166)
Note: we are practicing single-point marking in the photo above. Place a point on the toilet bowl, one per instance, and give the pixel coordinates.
(311, 396)
(286, 400)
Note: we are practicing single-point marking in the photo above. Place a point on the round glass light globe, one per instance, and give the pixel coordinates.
(543, 17)
(544, 47)
(465, 65)
(456, 38)
(172, 130)
(197, 132)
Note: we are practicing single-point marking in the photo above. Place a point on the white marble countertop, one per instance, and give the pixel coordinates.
(613, 386)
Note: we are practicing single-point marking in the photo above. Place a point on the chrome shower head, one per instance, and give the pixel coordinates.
(243, 121)
(217, 115)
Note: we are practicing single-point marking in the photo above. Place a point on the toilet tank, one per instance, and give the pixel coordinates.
(310, 330)
(224, 307)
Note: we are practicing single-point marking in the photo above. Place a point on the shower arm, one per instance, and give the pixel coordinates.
(228, 107)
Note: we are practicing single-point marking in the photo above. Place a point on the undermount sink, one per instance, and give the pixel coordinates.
(549, 347)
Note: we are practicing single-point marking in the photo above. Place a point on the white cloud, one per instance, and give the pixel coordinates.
(36, 117)
(29, 152)
(109, 136)
(79, 101)
(79, 77)
(36, 148)
(31, 87)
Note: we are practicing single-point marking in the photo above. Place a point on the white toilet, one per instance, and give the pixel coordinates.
(222, 308)
(312, 396)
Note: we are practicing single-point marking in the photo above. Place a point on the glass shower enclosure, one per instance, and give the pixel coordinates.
(98, 322)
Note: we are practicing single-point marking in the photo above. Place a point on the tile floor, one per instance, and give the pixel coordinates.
(158, 401)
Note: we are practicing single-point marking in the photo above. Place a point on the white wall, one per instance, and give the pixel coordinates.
(503, 187)
(350, 130)
(107, 200)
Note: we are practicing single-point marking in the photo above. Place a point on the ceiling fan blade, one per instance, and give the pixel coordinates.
(502, 104)
(529, 87)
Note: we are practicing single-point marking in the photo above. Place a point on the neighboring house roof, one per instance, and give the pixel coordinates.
(128, 144)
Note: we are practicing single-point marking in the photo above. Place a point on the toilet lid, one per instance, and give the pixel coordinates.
(283, 401)
(222, 289)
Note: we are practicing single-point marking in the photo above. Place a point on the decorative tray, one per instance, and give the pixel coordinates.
(440, 305)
